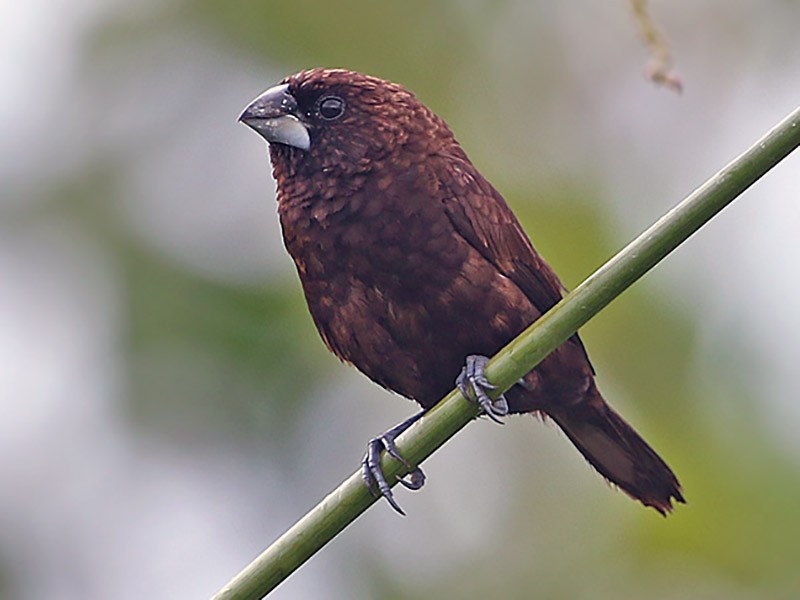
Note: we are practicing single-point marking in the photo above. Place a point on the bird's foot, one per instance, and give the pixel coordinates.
(472, 383)
(372, 473)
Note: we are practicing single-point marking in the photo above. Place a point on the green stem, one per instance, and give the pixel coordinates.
(342, 506)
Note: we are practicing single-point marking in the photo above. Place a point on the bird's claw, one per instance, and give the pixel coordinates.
(372, 473)
(472, 383)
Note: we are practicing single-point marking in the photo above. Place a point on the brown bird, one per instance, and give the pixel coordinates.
(415, 268)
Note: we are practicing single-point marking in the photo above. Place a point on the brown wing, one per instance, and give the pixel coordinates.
(481, 216)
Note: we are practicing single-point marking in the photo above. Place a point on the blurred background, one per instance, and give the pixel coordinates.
(168, 409)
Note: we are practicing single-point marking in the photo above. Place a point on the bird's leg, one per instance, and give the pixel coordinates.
(472, 383)
(372, 473)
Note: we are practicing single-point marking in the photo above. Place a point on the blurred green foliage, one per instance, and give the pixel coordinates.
(734, 528)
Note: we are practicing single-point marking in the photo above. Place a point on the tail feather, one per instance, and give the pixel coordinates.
(618, 453)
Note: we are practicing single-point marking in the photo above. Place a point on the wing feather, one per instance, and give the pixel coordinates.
(482, 217)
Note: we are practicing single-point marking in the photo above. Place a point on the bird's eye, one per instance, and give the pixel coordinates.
(330, 107)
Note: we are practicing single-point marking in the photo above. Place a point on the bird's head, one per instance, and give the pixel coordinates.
(336, 121)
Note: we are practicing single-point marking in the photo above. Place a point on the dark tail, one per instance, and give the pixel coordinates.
(619, 453)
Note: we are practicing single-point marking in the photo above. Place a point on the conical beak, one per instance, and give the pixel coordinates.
(273, 115)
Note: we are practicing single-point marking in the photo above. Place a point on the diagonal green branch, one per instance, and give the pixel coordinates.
(342, 506)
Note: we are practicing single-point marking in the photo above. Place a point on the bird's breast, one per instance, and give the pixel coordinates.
(382, 239)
